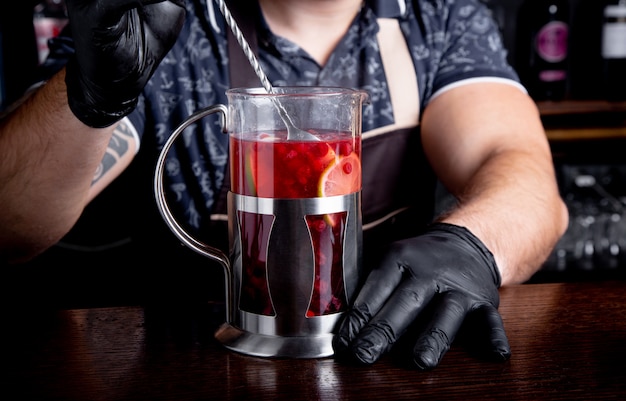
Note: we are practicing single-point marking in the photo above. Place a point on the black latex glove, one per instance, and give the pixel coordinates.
(119, 44)
(448, 271)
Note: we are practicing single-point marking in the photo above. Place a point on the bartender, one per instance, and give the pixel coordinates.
(446, 109)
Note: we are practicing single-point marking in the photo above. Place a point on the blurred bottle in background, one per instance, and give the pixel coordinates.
(49, 18)
(543, 37)
(614, 50)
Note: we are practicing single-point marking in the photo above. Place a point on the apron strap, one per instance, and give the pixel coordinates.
(401, 78)
(398, 195)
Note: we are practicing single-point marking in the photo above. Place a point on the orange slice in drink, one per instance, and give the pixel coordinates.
(341, 177)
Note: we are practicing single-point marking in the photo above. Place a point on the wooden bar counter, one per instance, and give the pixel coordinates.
(568, 342)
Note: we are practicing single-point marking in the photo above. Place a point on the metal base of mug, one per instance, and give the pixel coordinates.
(261, 345)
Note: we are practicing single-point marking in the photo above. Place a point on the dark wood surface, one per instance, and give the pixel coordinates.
(568, 343)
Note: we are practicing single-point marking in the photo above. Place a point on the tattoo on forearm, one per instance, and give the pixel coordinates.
(118, 147)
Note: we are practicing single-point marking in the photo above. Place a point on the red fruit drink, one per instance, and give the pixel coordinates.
(266, 165)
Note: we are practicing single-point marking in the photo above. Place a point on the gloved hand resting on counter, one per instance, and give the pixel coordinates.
(446, 270)
(119, 44)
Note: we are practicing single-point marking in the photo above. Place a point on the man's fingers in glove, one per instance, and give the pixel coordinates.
(434, 341)
(160, 17)
(489, 337)
(379, 285)
(401, 309)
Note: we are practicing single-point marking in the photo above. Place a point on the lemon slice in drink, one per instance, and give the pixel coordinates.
(341, 177)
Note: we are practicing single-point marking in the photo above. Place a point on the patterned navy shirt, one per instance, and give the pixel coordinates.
(449, 41)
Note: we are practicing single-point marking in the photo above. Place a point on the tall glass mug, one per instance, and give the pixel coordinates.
(294, 217)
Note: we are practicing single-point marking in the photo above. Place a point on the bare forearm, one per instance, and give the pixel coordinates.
(513, 205)
(47, 162)
(491, 152)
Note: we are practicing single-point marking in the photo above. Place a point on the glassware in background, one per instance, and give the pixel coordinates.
(543, 47)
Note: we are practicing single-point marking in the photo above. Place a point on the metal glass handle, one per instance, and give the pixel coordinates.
(161, 201)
